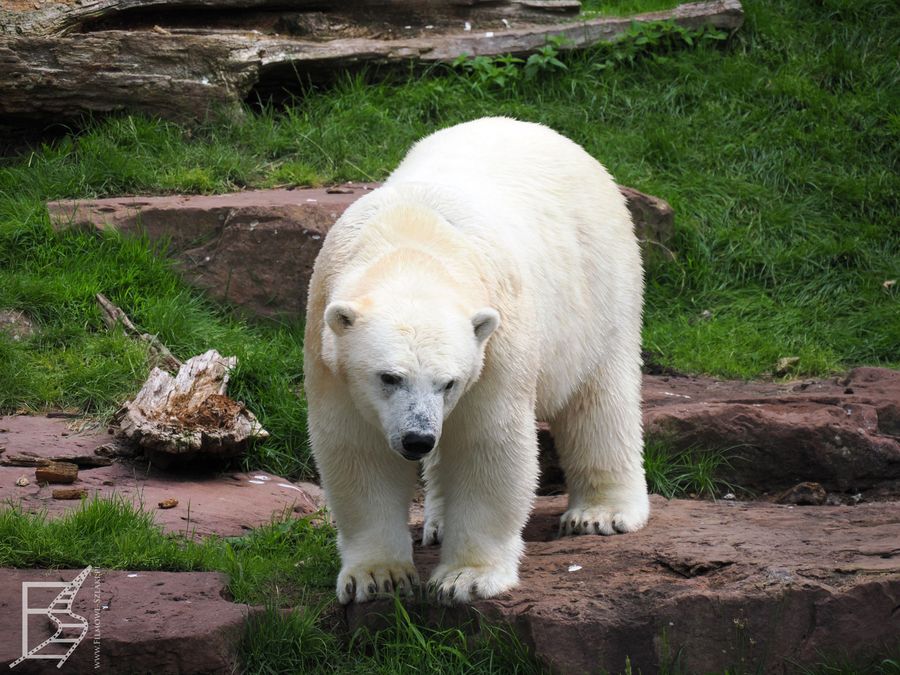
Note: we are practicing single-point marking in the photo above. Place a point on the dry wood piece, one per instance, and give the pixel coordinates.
(23, 459)
(169, 503)
(69, 493)
(189, 415)
(113, 315)
(56, 472)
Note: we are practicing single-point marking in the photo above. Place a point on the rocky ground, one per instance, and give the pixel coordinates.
(740, 585)
(715, 584)
(227, 504)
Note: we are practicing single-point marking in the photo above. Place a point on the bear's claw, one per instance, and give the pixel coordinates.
(605, 519)
(365, 582)
(451, 586)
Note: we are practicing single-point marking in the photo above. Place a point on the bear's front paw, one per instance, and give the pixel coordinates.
(369, 580)
(452, 585)
(606, 518)
(433, 531)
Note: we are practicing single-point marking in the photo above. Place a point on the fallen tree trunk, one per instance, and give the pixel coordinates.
(59, 18)
(183, 73)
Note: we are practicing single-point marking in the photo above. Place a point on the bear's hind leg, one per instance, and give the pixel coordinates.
(599, 440)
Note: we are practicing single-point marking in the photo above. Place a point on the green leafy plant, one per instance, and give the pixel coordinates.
(546, 59)
(653, 39)
(484, 71)
(656, 40)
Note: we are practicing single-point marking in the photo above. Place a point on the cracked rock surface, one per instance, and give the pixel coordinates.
(725, 585)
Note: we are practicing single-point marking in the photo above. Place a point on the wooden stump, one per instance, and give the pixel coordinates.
(189, 415)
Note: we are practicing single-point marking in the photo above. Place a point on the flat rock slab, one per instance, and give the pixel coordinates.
(145, 622)
(256, 249)
(226, 504)
(26, 439)
(747, 586)
(842, 432)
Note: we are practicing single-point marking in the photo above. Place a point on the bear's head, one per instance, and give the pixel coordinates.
(407, 362)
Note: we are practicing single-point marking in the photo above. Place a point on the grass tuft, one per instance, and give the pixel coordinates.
(686, 473)
(277, 642)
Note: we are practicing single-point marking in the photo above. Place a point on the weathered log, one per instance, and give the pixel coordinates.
(59, 18)
(22, 459)
(182, 73)
(113, 316)
(189, 415)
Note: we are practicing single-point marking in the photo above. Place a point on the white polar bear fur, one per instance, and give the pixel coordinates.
(500, 214)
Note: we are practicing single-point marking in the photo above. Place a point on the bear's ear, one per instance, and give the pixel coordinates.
(341, 316)
(485, 322)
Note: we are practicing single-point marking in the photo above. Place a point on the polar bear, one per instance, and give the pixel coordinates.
(494, 279)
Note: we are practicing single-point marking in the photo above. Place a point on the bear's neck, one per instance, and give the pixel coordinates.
(411, 248)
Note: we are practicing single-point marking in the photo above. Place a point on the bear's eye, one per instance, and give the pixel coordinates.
(390, 379)
(449, 386)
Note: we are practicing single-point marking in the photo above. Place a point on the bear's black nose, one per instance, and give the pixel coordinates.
(416, 445)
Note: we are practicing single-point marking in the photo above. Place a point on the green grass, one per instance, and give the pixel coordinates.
(75, 362)
(845, 666)
(298, 642)
(777, 150)
(280, 562)
(289, 566)
(688, 473)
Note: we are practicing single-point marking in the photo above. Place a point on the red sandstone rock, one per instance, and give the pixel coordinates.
(839, 432)
(149, 622)
(256, 249)
(748, 586)
(842, 432)
(35, 440)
